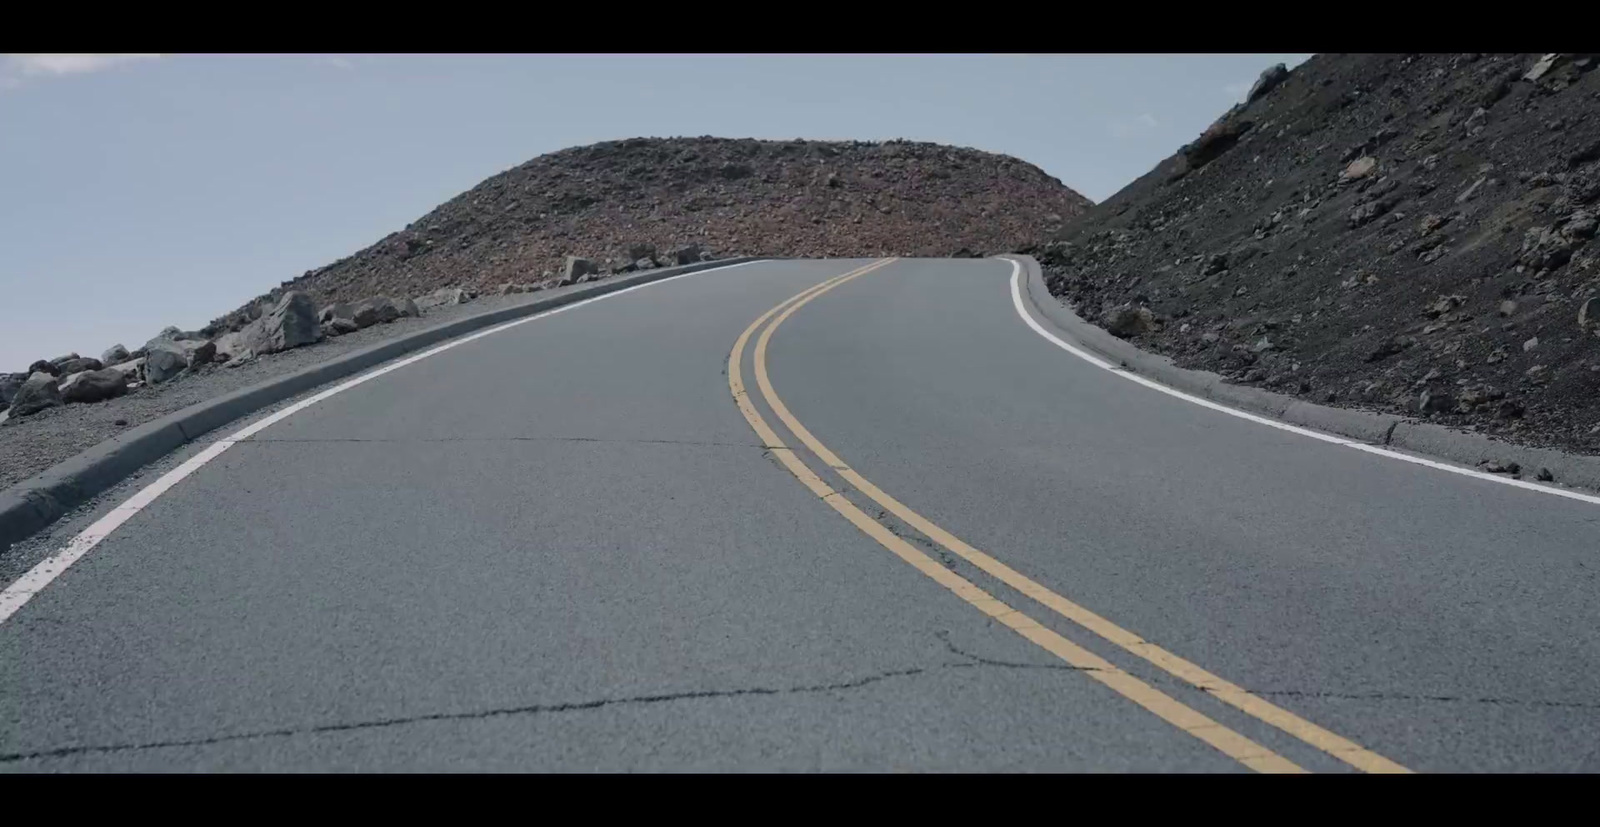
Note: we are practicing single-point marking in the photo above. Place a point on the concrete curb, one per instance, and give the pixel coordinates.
(1425, 438)
(33, 504)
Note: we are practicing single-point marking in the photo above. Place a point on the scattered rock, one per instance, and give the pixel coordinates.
(79, 365)
(644, 264)
(1530, 344)
(200, 353)
(1434, 401)
(337, 310)
(1218, 138)
(444, 298)
(94, 385)
(1387, 348)
(290, 323)
(1359, 169)
(9, 382)
(339, 327)
(1544, 475)
(1127, 321)
(1467, 194)
(37, 392)
(1267, 82)
(375, 310)
(164, 359)
(131, 369)
(1507, 307)
(687, 254)
(115, 355)
(576, 268)
(1444, 305)
(1364, 214)
(1541, 67)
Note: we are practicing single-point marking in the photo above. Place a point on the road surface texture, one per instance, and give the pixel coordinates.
(580, 544)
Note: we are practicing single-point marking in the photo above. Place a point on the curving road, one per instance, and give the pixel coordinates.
(907, 531)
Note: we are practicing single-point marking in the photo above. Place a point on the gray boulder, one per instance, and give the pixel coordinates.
(338, 310)
(79, 365)
(172, 333)
(687, 254)
(44, 366)
(576, 268)
(444, 298)
(638, 251)
(164, 359)
(115, 355)
(200, 352)
(339, 326)
(376, 310)
(408, 308)
(1127, 320)
(61, 360)
(94, 385)
(645, 264)
(290, 323)
(9, 382)
(1268, 81)
(131, 369)
(38, 392)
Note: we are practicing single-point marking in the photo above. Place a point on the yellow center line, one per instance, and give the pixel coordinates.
(1169, 709)
(1329, 742)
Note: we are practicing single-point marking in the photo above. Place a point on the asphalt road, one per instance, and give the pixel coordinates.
(563, 546)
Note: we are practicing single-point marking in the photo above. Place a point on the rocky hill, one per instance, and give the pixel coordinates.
(781, 198)
(574, 216)
(1406, 233)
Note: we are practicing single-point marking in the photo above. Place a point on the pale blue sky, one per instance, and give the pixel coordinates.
(145, 191)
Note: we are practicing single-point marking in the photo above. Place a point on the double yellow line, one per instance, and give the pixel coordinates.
(1231, 743)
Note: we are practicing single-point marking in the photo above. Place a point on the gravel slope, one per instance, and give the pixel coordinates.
(1403, 233)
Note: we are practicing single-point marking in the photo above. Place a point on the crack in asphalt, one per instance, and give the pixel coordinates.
(499, 712)
(971, 661)
(1403, 696)
(385, 440)
(977, 660)
(1167, 680)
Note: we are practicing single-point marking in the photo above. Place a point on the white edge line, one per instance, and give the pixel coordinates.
(1016, 300)
(25, 587)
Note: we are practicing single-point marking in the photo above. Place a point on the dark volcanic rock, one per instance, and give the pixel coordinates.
(1412, 216)
(1268, 81)
(163, 360)
(79, 365)
(115, 355)
(94, 386)
(38, 392)
(9, 382)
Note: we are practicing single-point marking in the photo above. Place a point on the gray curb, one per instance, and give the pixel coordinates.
(1437, 441)
(33, 504)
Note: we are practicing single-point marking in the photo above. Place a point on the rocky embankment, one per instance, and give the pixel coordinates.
(1404, 233)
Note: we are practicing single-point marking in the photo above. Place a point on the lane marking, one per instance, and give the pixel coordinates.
(1017, 301)
(17, 595)
(1339, 747)
(1169, 709)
